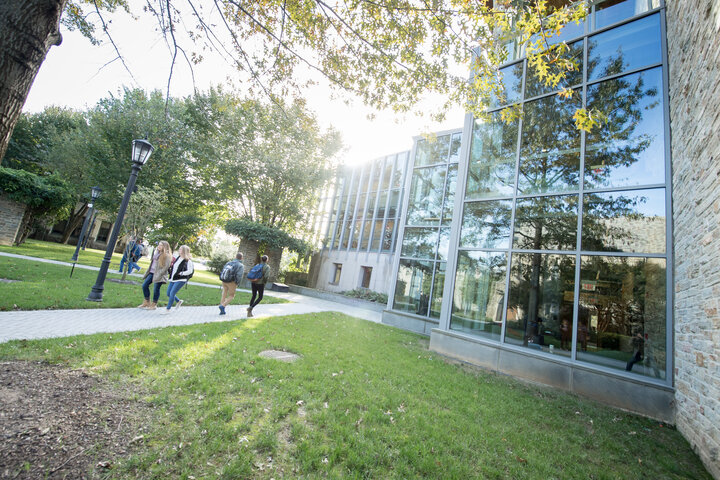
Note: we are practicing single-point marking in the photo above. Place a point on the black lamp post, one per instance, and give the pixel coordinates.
(141, 151)
(94, 194)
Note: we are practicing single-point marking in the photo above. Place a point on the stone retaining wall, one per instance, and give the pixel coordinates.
(11, 215)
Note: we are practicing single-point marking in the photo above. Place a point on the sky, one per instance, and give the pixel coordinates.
(77, 74)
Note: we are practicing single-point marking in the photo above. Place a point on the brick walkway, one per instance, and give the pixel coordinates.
(62, 323)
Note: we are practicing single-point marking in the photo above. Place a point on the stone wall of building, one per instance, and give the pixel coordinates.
(11, 215)
(693, 35)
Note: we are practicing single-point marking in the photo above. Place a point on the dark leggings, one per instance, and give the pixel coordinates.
(257, 289)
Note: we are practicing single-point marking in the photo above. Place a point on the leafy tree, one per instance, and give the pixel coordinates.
(389, 54)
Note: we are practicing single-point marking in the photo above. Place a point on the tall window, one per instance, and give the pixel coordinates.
(336, 273)
(424, 250)
(365, 278)
(562, 242)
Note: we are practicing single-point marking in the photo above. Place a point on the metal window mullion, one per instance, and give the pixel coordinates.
(509, 250)
(669, 259)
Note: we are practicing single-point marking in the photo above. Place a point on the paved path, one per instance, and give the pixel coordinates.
(61, 323)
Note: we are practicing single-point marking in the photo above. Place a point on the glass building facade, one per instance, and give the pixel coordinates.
(558, 245)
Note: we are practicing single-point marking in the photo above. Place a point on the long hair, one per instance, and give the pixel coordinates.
(166, 255)
(186, 250)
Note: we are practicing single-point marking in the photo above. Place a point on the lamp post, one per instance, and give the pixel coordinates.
(94, 194)
(141, 151)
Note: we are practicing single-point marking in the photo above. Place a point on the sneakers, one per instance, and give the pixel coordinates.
(164, 311)
(222, 309)
(177, 307)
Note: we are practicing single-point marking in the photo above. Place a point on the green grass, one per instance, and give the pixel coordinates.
(89, 256)
(364, 401)
(47, 286)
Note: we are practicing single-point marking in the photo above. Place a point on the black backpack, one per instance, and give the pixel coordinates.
(229, 271)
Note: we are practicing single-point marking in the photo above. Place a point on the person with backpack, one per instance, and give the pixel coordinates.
(181, 270)
(258, 276)
(135, 253)
(231, 275)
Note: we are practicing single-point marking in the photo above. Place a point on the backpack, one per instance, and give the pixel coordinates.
(229, 271)
(255, 273)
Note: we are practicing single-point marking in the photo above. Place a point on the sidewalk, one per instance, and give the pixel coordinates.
(37, 324)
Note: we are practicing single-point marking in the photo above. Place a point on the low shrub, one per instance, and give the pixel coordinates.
(365, 294)
(217, 262)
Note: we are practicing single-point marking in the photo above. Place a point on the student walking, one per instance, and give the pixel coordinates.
(258, 276)
(157, 274)
(181, 270)
(231, 275)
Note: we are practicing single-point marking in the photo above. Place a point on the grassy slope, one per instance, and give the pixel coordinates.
(364, 401)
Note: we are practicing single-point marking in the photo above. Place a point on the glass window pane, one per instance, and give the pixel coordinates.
(394, 203)
(546, 223)
(338, 230)
(491, 171)
(399, 170)
(628, 148)
(387, 174)
(377, 236)
(365, 235)
(430, 152)
(631, 221)
(356, 234)
(420, 242)
(550, 148)
(370, 212)
(613, 11)
(540, 301)
(479, 293)
(377, 171)
(510, 82)
(387, 240)
(621, 320)
(443, 244)
(381, 204)
(426, 195)
(486, 224)
(455, 143)
(449, 201)
(534, 86)
(412, 290)
(361, 206)
(437, 293)
(624, 48)
(346, 233)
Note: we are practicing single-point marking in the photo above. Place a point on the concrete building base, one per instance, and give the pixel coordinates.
(646, 399)
(412, 323)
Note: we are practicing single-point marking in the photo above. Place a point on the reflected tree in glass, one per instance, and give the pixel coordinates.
(486, 224)
(412, 290)
(491, 171)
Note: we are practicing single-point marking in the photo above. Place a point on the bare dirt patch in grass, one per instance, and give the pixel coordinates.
(61, 423)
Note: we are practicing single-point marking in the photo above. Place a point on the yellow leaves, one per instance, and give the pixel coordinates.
(587, 120)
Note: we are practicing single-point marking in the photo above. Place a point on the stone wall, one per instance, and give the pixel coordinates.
(11, 215)
(693, 34)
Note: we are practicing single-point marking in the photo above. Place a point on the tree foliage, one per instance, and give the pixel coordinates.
(267, 236)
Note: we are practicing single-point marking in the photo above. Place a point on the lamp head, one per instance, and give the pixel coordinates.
(141, 151)
(95, 192)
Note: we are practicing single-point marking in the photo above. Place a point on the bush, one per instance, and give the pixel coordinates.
(218, 261)
(365, 294)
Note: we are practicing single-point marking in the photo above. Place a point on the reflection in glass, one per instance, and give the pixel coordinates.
(420, 242)
(486, 224)
(632, 221)
(382, 201)
(534, 86)
(426, 195)
(449, 202)
(624, 48)
(361, 206)
(540, 301)
(387, 239)
(394, 203)
(613, 11)
(550, 148)
(621, 320)
(376, 235)
(365, 235)
(437, 293)
(491, 171)
(371, 205)
(356, 234)
(628, 147)
(412, 290)
(510, 83)
(455, 143)
(443, 244)
(387, 174)
(399, 170)
(479, 293)
(430, 152)
(546, 223)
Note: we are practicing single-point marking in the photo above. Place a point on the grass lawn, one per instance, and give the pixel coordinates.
(89, 256)
(364, 401)
(47, 286)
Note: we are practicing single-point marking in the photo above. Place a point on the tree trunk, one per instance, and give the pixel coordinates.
(28, 28)
(24, 229)
(73, 222)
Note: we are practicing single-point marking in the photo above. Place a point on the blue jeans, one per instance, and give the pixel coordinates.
(131, 265)
(172, 290)
(146, 288)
